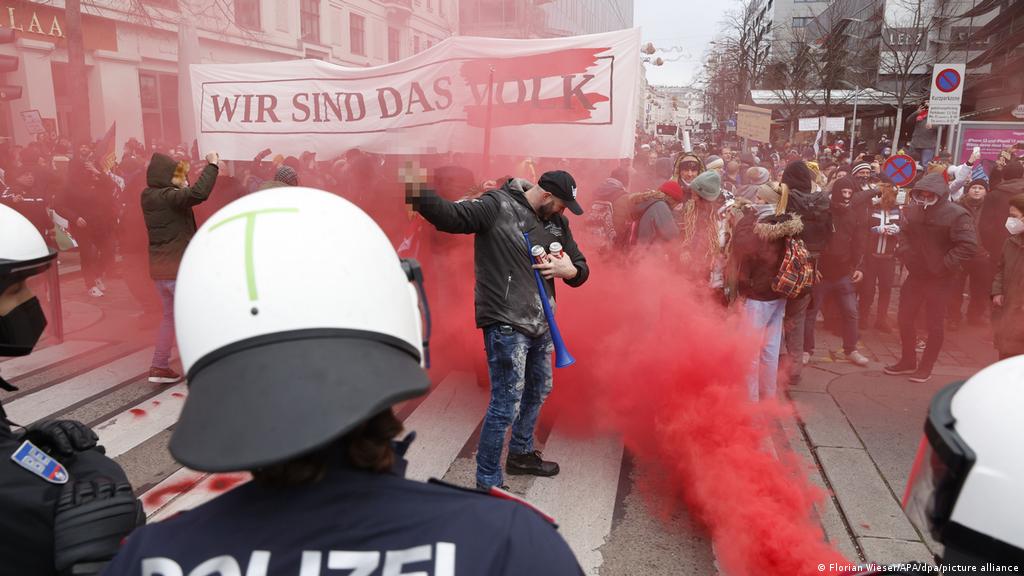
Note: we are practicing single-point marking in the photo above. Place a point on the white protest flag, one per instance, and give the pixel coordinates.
(571, 97)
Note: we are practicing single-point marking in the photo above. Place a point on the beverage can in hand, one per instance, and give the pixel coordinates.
(538, 254)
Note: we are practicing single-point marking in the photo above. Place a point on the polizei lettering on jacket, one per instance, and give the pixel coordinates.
(426, 560)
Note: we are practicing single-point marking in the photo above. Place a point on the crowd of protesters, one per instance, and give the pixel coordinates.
(747, 226)
(736, 221)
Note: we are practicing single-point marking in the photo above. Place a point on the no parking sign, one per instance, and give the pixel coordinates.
(947, 92)
(901, 169)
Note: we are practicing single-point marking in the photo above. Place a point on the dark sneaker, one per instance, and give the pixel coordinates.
(900, 367)
(922, 375)
(163, 376)
(529, 464)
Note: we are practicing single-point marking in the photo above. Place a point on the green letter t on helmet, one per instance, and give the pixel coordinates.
(295, 322)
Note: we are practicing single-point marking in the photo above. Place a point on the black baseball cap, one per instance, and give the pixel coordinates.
(562, 185)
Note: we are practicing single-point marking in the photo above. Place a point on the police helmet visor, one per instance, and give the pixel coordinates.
(940, 468)
(12, 271)
(271, 398)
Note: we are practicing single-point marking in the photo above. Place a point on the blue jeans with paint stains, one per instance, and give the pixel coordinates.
(520, 371)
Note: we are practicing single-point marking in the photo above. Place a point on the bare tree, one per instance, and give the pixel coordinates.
(719, 80)
(791, 79)
(904, 57)
(745, 43)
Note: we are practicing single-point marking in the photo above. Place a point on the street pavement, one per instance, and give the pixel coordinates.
(857, 431)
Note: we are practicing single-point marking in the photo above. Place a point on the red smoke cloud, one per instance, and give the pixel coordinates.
(660, 363)
(664, 366)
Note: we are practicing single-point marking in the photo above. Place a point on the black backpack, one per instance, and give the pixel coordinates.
(814, 210)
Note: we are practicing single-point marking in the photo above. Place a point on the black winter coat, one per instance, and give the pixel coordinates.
(168, 213)
(758, 246)
(845, 250)
(992, 224)
(937, 240)
(506, 291)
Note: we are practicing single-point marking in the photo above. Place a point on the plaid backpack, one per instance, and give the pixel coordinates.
(796, 273)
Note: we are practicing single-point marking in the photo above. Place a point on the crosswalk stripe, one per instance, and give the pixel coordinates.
(51, 400)
(136, 425)
(208, 488)
(15, 367)
(442, 424)
(582, 497)
(170, 489)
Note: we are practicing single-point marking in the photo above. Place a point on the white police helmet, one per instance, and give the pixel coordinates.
(296, 322)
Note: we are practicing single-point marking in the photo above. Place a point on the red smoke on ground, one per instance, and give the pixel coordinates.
(665, 366)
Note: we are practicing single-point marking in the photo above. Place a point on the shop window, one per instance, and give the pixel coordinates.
(159, 97)
(357, 34)
(309, 18)
(247, 13)
(394, 45)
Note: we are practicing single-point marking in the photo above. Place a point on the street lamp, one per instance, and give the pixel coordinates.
(853, 123)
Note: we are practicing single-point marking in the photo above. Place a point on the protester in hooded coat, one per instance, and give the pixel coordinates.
(840, 266)
(937, 238)
(167, 205)
(813, 208)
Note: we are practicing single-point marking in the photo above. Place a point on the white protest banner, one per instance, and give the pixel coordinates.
(571, 97)
(808, 124)
(33, 122)
(753, 122)
(835, 124)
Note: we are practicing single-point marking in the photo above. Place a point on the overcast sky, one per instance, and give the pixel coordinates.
(688, 24)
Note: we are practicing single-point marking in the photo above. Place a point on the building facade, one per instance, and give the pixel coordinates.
(789, 20)
(543, 18)
(681, 106)
(132, 49)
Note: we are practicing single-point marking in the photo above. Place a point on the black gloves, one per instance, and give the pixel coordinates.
(92, 519)
(61, 437)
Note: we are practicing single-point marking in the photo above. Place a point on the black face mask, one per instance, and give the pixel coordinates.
(21, 328)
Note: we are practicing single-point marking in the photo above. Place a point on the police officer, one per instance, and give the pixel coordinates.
(64, 506)
(299, 329)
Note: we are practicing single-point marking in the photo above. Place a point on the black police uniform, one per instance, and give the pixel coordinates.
(29, 505)
(350, 522)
